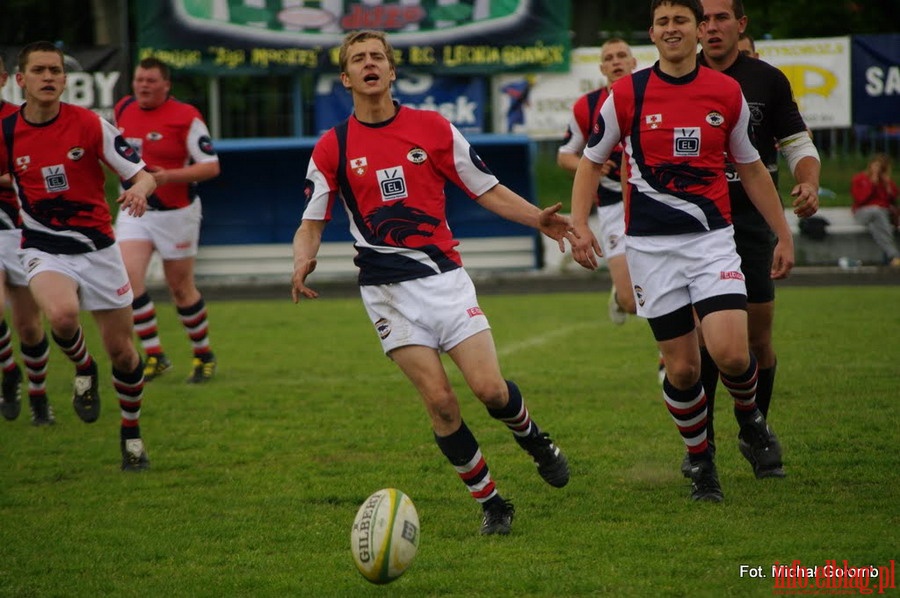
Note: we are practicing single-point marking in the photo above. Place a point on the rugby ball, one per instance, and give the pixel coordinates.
(385, 535)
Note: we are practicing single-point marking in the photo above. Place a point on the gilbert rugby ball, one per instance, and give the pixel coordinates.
(385, 535)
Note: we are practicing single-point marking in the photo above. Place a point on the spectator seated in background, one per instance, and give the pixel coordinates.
(875, 205)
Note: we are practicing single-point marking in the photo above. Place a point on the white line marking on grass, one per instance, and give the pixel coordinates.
(541, 339)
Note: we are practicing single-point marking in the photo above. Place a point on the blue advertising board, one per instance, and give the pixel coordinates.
(461, 100)
(258, 198)
(875, 72)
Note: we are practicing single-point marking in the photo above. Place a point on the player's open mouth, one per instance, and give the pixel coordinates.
(370, 78)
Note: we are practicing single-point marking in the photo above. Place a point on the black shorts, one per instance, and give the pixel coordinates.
(756, 246)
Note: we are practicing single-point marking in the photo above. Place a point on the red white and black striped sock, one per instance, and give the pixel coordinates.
(130, 390)
(145, 324)
(743, 391)
(515, 414)
(35, 358)
(688, 409)
(76, 350)
(7, 362)
(461, 449)
(196, 324)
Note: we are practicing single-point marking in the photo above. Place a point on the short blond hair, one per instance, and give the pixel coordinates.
(354, 37)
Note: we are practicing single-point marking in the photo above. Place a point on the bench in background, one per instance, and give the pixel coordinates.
(844, 238)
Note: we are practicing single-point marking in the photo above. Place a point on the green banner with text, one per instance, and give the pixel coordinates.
(472, 37)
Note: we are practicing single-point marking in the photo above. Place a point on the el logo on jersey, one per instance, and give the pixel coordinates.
(687, 141)
(55, 180)
(392, 183)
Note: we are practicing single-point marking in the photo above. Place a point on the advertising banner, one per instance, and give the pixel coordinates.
(461, 100)
(96, 77)
(876, 79)
(443, 36)
(540, 105)
(819, 72)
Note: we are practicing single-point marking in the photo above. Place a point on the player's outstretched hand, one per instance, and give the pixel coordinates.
(298, 281)
(806, 200)
(585, 247)
(556, 226)
(782, 260)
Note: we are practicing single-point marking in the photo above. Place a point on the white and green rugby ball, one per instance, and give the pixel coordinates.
(385, 535)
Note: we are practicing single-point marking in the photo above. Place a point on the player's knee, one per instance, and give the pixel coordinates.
(443, 409)
(31, 332)
(185, 294)
(493, 393)
(123, 355)
(63, 321)
(733, 363)
(682, 376)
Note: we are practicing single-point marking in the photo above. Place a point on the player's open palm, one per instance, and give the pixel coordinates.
(585, 247)
(555, 225)
(298, 281)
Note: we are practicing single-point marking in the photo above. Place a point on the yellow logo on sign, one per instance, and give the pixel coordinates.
(809, 79)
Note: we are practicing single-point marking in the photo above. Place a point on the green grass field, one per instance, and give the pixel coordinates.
(257, 476)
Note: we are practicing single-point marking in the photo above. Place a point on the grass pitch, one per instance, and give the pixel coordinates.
(257, 476)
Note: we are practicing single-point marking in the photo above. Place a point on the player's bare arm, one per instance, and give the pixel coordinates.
(504, 202)
(5, 181)
(568, 161)
(307, 241)
(762, 193)
(134, 199)
(585, 247)
(193, 173)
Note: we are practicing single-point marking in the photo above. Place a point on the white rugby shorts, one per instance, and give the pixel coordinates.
(100, 275)
(175, 234)
(10, 262)
(610, 231)
(437, 311)
(671, 271)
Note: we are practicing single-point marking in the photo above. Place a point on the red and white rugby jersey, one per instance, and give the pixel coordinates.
(585, 111)
(677, 132)
(9, 203)
(60, 182)
(391, 178)
(172, 135)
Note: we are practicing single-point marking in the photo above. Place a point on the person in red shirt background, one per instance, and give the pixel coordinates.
(173, 140)
(875, 205)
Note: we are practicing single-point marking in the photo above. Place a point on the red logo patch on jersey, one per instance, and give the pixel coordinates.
(654, 120)
(122, 290)
(731, 275)
(359, 166)
(474, 311)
